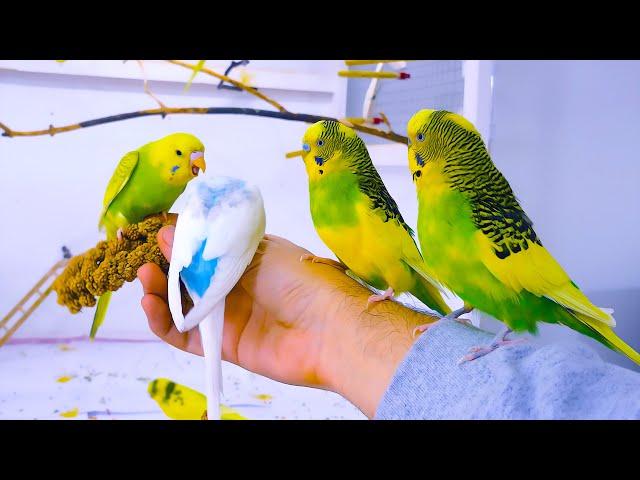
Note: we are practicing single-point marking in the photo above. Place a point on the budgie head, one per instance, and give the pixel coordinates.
(328, 147)
(179, 157)
(433, 135)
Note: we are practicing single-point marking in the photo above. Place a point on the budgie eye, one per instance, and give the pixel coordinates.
(420, 137)
(319, 143)
(306, 147)
(179, 153)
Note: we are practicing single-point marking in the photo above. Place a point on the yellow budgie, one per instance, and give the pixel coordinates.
(478, 241)
(145, 182)
(179, 402)
(358, 220)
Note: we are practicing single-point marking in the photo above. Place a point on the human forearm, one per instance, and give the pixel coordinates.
(364, 347)
(522, 381)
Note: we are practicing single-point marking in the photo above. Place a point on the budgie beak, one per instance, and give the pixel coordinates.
(197, 162)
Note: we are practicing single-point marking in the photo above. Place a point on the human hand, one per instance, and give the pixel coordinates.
(296, 322)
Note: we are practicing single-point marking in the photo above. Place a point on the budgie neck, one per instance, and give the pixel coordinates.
(370, 183)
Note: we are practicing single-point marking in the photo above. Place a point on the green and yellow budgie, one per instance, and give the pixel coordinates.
(477, 240)
(147, 181)
(358, 220)
(179, 402)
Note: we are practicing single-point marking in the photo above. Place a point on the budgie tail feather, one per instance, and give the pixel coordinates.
(100, 313)
(211, 329)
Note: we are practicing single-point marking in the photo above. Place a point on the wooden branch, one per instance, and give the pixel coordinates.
(386, 121)
(282, 112)
(230, 80)
(147, 90)
(298, 117)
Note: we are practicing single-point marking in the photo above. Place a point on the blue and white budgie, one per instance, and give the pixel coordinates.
(216, 236)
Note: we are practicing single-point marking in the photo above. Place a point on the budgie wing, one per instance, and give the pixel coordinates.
(509, 247)
(227, 239)
(118, 180)
(382, 204)
(412, 257)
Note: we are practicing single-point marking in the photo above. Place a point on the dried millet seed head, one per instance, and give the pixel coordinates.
(111, 263)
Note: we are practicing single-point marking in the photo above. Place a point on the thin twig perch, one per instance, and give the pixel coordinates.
(147, 90)
(230, 80)
(299, 117)
(163, 111)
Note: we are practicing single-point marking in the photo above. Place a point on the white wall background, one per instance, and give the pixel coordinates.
(563, 133)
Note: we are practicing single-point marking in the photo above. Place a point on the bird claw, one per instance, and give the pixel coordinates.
(464, 321)
(422, 328)
(119, 234)
(455, 315)
(477, 352)
(386, 295)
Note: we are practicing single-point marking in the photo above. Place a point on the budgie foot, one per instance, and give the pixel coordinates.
(119, 234)
(452, 316)
(204, 416)
(498, 341)
(388, 293)
(326, 261)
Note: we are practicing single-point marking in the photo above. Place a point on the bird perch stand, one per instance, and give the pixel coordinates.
(20, 312)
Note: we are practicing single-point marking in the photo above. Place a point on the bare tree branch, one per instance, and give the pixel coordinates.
(298, 117)
(147, 90)
(282, 112)
(230, 80)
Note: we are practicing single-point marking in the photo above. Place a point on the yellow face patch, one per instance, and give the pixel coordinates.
(425, 142)
(322, 146)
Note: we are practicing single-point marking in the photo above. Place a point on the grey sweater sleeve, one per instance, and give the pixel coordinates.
(521, 381)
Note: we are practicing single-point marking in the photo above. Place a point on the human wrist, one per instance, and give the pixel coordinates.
(363, 348)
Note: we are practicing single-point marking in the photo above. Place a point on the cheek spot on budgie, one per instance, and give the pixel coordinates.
(320, 172)
(319, 160)
(174, 168)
